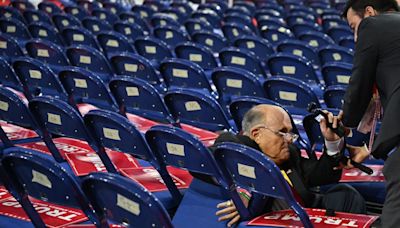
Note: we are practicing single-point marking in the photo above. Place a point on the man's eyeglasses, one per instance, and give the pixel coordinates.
(290, 137)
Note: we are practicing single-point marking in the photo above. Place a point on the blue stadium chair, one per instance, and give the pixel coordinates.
(335, 53)
(329, 23)
(183, 7)
(89, 6)
(347, 42)
(337, 73)
(316, 39)
(128, 140)
(338, 32)
(299, 18)
(210, 7)
(131, 31)
(197, 53)
(96, 25)
(197, 109)
(132, 18)
(260, 47)
(270, 22)
(16, 29)
(242, 58)
(43, 31)
(8, 78)
(48, 53)
(292, 93)
(32, 15)
(104, 14)
(104, 189)
(22, 5)
(182, 150)
(114, 43)
(137, 66)
(62, 21)
(299, 28)
(35, 177)
(10, 12)
(153, 49)
(232, 31)
(170, 35)
(138, 97)
(293, 66)
(83, 86)
(77, 11)
(193, 25)
(232, 82)
(276, 35)
(300, 48)
(241, 19)
(333, 96)
(114, 7)
(267, 13)
(50, 8)
(38, 79)
(268, 182)
(182, 73)
(237, 9)
(144, 11)
(162, 19)
(211, 40)
(15, 111)
(209, 16)
(79, 36)
(156, 5)
(9, 47)
(176, 14)
(90, 59)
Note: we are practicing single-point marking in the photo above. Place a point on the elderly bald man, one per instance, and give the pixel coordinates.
(267, 128)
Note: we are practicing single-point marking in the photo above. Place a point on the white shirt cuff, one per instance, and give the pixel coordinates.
(334, 147)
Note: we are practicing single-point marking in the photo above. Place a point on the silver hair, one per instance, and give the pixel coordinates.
(252, 118)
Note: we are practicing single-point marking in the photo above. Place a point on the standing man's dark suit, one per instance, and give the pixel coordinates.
(377, 62)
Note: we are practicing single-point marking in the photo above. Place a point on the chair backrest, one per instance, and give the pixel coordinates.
(114, 43)
(131, 31)
(43, 179)
(119, 200)
(79, 36)
(33, 15)
(210, 39)
(337, 73)
(300, 48)
(114, 7)
(232, 31)
(90, 59)
(63, 21)
(137, 66)
(152, 48)
(163, 19)
(292, 66)
(132, 18)
(347, 42)
(176, 14)
(105, 14)
(193, 25)
(250, 169)
(335, 53)
(182, 73)
(59, 118)
(232, 82)
(47, 52)
(50, 8)
(38, 79)
(197, 53)
(9, 47)
(46, 32)
(96, 25)
(89, 6)
(299, 28)
(290, 92)
(143, 11)
(334, 95)
(336, 33)
(170, 35)
(8, 77)
(275, 34)
(14, 28)
(138, 97)
(241, 58)
(11, 12)
(83, 86)
(261, 48)
(76, 11)
(316, 39)
(22, 5)
(213, 18)
(197, 109)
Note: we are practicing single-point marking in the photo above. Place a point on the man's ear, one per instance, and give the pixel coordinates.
(255, 134)
(370, 11)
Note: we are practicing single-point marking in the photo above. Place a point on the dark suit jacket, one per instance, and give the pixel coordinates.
(304, 173)
(376, 61)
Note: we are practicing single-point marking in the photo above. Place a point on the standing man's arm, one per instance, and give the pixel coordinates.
(359, 91)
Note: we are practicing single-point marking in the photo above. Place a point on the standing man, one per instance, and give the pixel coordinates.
(376, 69)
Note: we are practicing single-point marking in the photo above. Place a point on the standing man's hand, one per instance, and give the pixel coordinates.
(328, 134)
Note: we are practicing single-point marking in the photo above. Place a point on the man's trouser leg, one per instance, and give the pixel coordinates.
(391, 209)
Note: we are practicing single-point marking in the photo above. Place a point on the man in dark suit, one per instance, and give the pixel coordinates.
(268, 128)
(376, 70)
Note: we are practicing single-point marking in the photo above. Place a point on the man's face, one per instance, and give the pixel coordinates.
(354, 20)
(270, 138)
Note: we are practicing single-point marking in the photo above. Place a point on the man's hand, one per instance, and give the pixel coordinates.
(328, 134)
(228, 212)
(357, 154)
